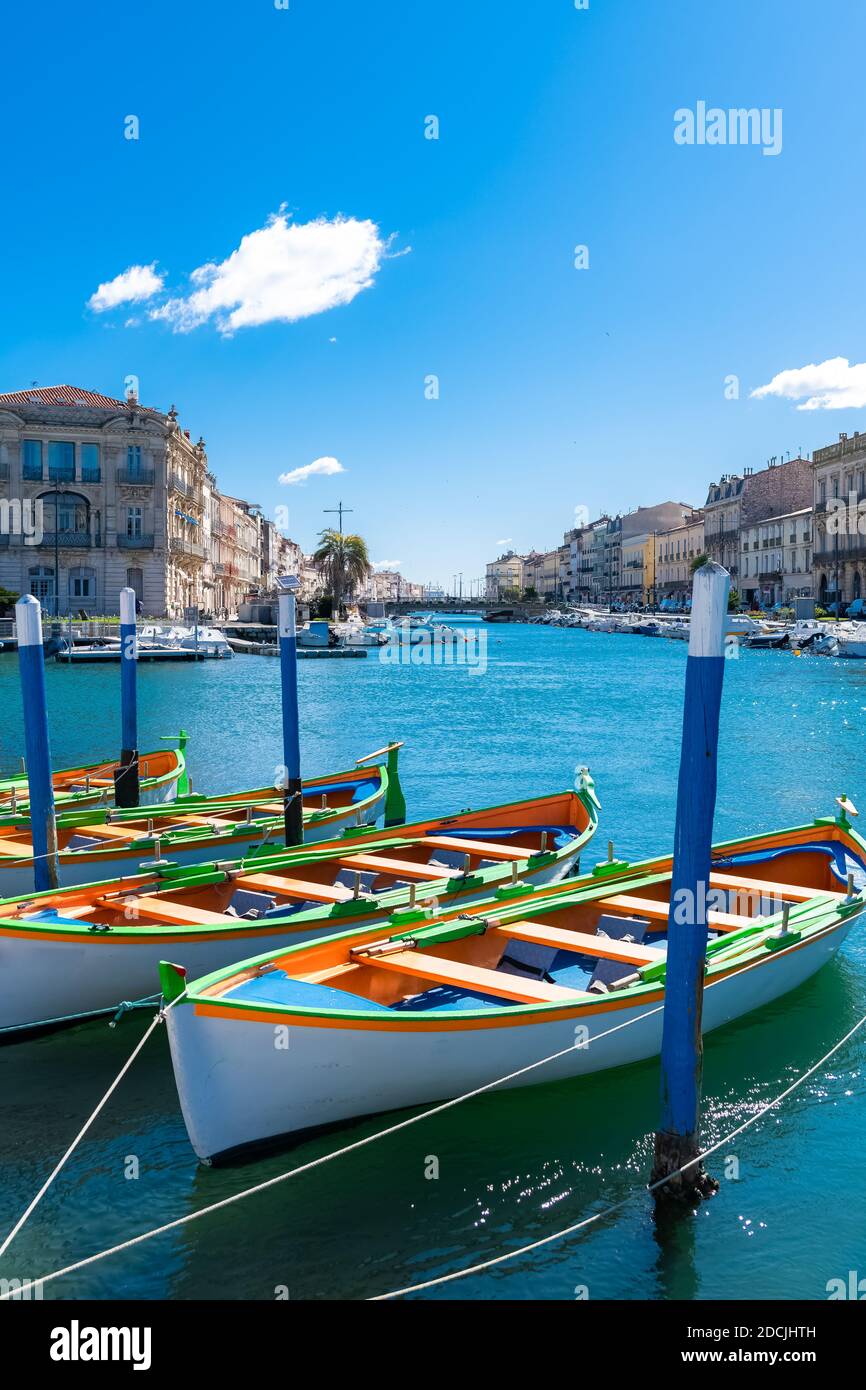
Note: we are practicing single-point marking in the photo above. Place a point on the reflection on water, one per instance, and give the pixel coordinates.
(511, 1166)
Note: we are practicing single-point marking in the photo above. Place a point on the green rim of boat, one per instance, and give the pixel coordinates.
(178, 877)
(820, 913)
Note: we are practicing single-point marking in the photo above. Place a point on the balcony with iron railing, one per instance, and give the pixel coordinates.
(180, 545)
(135, 477)
(75, 540)
(191, 491)
(127, 542)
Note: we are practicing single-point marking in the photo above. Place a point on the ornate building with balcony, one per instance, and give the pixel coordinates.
(90, 473)
(98, 493)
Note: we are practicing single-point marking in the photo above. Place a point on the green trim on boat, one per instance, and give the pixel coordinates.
(395, 801)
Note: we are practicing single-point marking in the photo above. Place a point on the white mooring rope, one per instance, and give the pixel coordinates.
(25, 1215)
(608, 1211)
(372, 1139)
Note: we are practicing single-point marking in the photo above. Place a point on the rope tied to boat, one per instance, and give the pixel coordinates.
(157, 1019)
(384, 1133)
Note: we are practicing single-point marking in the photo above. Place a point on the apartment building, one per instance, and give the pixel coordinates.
(504, 575)
(776, 559)
(675, 551)
(839, 498)
(783, 487)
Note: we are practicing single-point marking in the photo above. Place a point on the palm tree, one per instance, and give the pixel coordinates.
(698, 561)
(344, 560)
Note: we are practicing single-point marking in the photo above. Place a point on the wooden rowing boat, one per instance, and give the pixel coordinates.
(99, 844)
(408, 1013)
(80, 950)
(162, 776)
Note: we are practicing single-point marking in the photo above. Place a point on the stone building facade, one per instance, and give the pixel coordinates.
(738, 500)
(98, 493)
(675, 550)
(839, 481)
(776, 559)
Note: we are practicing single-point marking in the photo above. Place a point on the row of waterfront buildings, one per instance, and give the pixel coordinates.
(788, 530)
(125, 498)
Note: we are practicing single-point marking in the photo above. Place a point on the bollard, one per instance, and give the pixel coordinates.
(292, 797)
(126, 789)
(31, 661)
(677, 1141)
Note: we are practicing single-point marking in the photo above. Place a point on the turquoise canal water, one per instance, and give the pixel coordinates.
(512, 1166)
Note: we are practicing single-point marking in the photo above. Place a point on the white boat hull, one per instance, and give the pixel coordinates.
(243, 1082)
(43, 979)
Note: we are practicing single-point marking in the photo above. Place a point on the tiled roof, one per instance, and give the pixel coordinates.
(60, 395)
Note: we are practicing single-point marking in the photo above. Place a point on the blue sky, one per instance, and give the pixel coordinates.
(559, 387)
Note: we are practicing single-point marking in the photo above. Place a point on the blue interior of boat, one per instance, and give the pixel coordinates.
(362, 790)
(558, 835)
(276, 987)
(842, 860)
(50, 914)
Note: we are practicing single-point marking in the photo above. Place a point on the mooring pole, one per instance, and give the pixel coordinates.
(677, 1141)
(292, 800)
(31, 661)
(126, 790)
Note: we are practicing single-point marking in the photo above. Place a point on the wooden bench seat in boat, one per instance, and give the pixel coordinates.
(163, 911)
(582, 943)
(471, 977)
(489, 850)
(404, 868)
(796, 893)
(20, 850)
(295, 888)
(111, 832)
(660, 911)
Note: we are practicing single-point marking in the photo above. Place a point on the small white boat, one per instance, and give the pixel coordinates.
(358, 634)
(852, 641)
(204, 641)
(314, 634)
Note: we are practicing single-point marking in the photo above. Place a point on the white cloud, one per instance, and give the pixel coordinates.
(386, 564)
(281, 272)
(831, 385)
(324, 466)
(505, 540)
(137, 282)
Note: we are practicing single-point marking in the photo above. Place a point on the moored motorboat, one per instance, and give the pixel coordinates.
(82, 950)
(852, 642)
(100, 844)
(409, 1013)
(162, 775)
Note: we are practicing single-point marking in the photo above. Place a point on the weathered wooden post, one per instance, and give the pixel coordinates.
(31, 661)
(677, 1142)
(291, 784)
(126, 789)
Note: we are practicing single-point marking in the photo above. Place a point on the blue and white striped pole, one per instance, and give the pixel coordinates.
(126, 789)
(31, 661)
(677, 1141)
(291, 779)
